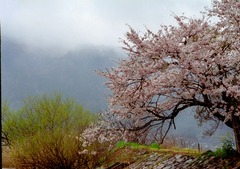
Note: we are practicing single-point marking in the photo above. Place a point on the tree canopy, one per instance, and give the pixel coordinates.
(194, 64)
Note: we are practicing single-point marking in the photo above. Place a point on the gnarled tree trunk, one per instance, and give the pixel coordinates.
(236, 130)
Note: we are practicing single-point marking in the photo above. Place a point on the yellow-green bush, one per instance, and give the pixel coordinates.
(43, 132)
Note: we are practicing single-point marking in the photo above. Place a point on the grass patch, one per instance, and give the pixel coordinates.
(134, 145)
(156, 147)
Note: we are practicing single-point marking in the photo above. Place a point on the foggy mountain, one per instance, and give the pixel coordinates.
(29, 71)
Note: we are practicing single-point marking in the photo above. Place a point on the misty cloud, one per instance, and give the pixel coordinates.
(31, 72)
(69, 24)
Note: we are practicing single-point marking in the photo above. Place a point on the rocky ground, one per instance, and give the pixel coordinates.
(145, 159)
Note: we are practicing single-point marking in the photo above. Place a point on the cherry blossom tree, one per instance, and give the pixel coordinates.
(195, 64)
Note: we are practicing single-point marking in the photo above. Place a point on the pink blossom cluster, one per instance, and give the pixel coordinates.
(194, 64)
(102, 133)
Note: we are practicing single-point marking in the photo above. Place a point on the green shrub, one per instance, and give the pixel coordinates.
(43, 132)
(226, 147)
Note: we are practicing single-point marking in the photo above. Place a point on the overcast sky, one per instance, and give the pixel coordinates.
(69, 24)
